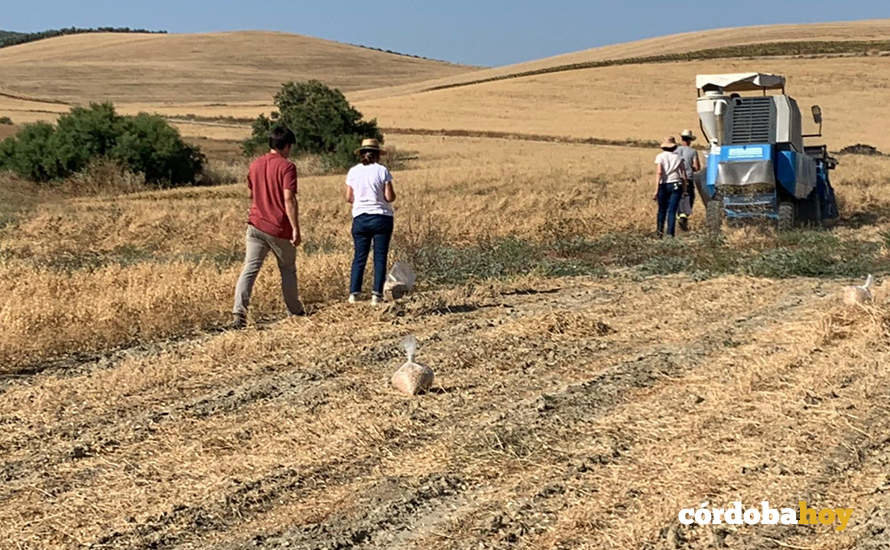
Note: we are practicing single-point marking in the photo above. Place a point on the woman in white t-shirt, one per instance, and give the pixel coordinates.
(670, 179)
(369, 189)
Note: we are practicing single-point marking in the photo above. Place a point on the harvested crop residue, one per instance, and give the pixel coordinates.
(566, 413)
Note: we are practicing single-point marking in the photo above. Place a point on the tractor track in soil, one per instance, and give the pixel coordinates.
(381, 522)
(307, 384)
(599, 392)
(399, 510)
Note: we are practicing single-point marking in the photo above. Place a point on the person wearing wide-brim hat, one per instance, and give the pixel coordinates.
(370, 145)
(671, 184)
(693, 165)
(369, 188)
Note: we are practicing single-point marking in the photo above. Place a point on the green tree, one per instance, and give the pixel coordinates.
(321, 118)
(145, 144)
(82, 134)
(26, 152)
(149, 145)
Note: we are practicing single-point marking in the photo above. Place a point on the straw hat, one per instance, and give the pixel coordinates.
(687, 134)
(669, 143)
(370, 144)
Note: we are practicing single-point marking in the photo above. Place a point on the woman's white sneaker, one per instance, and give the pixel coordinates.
(353, 298)
(375, 299)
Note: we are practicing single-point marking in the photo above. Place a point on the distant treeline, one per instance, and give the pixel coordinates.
(5, 35)
(400, 53)
(11, 38)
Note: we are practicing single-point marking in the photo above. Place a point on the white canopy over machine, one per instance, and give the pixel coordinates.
(728, 119)
(740, 82)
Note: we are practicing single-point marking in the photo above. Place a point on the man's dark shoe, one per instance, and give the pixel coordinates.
(238, 322)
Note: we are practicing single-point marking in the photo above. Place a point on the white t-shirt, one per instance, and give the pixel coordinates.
(367, 182)
(672, 166)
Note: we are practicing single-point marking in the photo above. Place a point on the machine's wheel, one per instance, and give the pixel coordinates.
(810, 211)
(816, 210)
(786, 216)
(832, 216)
(714, 215)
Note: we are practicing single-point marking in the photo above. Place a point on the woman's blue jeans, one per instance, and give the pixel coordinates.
(669, 195)
(368, 229)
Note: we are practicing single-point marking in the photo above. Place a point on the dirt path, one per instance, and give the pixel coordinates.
(569, 413)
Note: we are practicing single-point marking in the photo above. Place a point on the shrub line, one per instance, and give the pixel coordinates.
(11, 38)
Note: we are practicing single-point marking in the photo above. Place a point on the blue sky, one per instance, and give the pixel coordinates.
(481, 32)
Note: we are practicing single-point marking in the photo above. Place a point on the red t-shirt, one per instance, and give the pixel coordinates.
(269, 176)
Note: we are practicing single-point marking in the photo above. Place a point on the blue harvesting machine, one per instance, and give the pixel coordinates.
(757, 165)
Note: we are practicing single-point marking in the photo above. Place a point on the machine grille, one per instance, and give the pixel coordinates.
(751, 120)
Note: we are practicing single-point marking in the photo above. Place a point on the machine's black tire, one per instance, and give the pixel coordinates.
(786, 216)
(816, 211)
(832, 216)
(714, 215)
(809, 212)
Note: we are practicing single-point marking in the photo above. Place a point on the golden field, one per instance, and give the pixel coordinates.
(646, 102)
(591, 380)
(60, 251)
(204, 224)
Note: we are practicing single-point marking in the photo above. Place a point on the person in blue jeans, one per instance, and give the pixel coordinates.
(370, 191)
(671, 180)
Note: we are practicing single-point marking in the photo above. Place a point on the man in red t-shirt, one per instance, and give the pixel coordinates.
(273, 224)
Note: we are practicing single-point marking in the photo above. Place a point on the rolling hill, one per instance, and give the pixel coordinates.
(215, 67)
(878, 29)
(645, 97)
